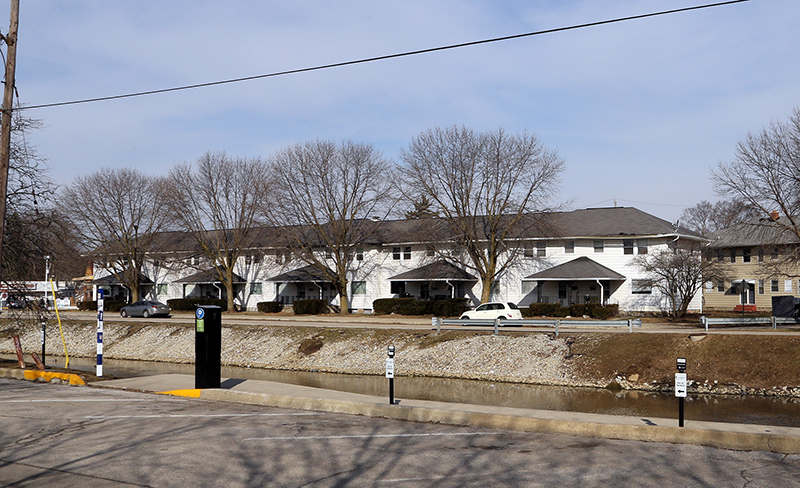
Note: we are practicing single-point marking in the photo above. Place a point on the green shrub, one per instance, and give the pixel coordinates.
(269, 307)
(451, 307)
(108, 305)
(543, 310)
(310, 307)
(388, 306)
(190, 304)
(606, 312)
(414, 307)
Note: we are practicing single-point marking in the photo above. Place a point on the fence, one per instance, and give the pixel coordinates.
(437, 322)
(772, 321)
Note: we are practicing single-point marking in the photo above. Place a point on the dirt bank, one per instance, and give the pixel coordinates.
(725, 364)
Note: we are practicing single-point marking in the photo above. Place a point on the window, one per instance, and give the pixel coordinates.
(773, 255)
(787, 286)
(528, 253)
(430, 250)
(598, 245)
(641, 287)
(396, 253)
(746, 255)
(760, 287)
(562, 290)
(328, 254)
(359, 254)
(721, 286)
(256, 288)
(569, 247)
(407, 252)
(163, 289)
(541, 249)
(761, 255)
(359, 287)
(773, 286)
(627, 246)
(733, 255)
(642, 245)
(398, 288)
(720, 255)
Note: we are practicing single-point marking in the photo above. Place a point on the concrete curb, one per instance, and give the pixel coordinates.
(45, 376)
(706, 437)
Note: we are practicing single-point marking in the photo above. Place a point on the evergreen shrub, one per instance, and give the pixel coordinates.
(269, 307)
(190, 304)
(310, 307)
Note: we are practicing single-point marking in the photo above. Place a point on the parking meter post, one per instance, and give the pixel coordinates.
(390, 372)
(208, 346)
(681, 385)
(44, 338)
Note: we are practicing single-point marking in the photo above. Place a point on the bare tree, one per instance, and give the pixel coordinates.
(325, 197)
(765, 173)
(218, 200)
(116, 213)
(486, 186)
(679, 275)
(707, 218)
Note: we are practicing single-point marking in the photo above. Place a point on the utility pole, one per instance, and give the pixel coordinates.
(8, 104)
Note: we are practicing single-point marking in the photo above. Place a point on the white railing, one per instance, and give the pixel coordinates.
(557, 324)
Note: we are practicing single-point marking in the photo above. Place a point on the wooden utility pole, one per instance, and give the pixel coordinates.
(5, 124)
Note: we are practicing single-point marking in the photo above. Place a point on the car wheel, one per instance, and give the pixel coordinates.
(463, 317)
(123, 313)
(145, 314)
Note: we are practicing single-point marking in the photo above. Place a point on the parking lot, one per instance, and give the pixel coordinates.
(55, 435)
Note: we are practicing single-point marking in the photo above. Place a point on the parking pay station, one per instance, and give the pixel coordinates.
(390, 373)
(207, 346)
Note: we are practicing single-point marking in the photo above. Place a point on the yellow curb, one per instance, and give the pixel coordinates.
(184, 393)
(48, 376)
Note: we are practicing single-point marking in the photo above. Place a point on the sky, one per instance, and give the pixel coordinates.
(640, 111)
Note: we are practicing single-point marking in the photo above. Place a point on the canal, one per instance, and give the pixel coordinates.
(715, 408)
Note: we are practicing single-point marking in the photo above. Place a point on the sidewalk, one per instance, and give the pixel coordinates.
(721, 435)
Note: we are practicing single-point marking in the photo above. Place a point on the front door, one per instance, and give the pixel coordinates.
(748, 294)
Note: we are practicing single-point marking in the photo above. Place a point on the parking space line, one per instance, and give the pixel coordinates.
(57, 400)
(372, 436)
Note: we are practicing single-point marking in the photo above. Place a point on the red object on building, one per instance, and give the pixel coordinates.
(745, 308)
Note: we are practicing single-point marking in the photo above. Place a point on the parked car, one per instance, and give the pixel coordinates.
(494, 310)
(144, 308)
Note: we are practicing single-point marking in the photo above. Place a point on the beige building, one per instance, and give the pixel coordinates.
(760, 255)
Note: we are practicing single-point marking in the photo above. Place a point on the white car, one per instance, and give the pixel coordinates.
(494, 310)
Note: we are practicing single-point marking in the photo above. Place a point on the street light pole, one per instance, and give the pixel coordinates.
(8, 102)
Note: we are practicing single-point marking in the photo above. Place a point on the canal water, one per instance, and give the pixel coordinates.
(715, 408)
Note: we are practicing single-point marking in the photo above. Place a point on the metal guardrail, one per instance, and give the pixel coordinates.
(437, 322)
(773, 321)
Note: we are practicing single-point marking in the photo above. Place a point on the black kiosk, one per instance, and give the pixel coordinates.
(207, 346)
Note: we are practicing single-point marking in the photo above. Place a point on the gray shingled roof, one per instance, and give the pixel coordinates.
(438, 271)
(114, 279)
(757, 232)
(207, 276)
(306, 274)
(580, 269)
(586, 223)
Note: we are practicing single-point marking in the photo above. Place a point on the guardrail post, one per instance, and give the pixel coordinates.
(774, 322)
(704, 322)
(558, 322)
(630, 326)
(437, 323)
(496, 325)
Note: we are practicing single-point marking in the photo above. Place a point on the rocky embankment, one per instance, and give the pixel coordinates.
(626, 361)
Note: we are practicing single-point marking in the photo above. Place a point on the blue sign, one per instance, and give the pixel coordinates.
(200, 313)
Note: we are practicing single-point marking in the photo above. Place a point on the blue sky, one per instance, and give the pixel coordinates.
(640, 111)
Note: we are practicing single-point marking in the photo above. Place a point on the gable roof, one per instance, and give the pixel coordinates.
(207, 276)
(438, 271)
(757, 232)
(580, 269)
(306, 274)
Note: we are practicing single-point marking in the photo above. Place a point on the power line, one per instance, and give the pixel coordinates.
(384, 57)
